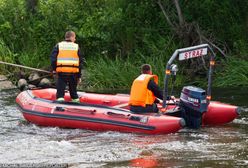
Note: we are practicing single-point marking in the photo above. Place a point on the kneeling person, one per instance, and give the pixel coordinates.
(145, 91)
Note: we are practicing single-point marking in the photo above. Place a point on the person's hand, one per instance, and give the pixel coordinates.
(79, 80)
(54, 74)
(160, 101)
(172, 97)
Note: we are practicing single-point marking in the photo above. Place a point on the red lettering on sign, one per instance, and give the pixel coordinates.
(186, 55)
(193, 54)
(197, 53)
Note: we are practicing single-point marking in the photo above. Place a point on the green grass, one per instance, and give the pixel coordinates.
(102, 72)
(5, 53)
(34, 60)
(6, 56)
(233, 72)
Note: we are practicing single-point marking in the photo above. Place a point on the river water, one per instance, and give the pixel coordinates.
(222, 146)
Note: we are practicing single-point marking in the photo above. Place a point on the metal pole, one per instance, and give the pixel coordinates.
(210, 73)
(173, 57)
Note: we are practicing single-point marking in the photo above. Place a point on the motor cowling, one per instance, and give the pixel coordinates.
(193, 104)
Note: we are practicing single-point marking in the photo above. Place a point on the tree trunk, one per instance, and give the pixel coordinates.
(31, 6)
(179, 13)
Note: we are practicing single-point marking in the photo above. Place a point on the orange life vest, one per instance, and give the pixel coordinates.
(140, 95)
(67, 59)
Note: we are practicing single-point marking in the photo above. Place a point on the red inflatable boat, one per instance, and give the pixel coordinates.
(217, 113)
(39, 107)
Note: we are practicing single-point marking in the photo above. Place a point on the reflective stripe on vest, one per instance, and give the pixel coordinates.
(68, 59)
(140, 95)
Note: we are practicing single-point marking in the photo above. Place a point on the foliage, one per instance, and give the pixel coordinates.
(120, 72)
(116, 36)
(224, 20)
(5, 55)
(234, 73)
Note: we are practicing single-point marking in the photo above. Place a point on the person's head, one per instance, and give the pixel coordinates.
(146, 69)
(70, 35)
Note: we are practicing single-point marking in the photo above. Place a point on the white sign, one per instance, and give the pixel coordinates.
(193, 54)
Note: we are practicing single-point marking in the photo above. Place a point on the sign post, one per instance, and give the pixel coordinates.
(188, 53)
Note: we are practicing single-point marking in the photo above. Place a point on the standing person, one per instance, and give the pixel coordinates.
(145, 91)
(66, 61)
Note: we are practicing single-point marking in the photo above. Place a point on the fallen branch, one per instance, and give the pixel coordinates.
(215, 46)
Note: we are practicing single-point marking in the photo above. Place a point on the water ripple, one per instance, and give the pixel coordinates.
(23, 142)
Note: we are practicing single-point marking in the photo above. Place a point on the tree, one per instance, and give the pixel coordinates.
(189, 33)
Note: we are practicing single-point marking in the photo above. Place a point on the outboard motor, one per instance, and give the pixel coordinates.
(193, 104)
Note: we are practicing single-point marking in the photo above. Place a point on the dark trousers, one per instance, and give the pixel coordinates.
(148, 109)
(62, 81)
